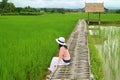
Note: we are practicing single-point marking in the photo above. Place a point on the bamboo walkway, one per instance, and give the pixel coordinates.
(79, 69)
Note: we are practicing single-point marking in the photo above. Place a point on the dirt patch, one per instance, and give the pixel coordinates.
(103, 22)
(47, 72)
(111, 22)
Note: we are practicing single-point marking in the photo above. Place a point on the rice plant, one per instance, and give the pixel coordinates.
(111, 52)
(27, 44)
(109, 49)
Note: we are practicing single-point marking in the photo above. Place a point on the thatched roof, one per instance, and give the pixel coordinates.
(94, 7)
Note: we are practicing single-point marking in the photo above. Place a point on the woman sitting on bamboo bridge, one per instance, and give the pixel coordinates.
(64, 56)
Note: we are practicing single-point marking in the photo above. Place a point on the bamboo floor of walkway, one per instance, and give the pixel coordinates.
(79, 68)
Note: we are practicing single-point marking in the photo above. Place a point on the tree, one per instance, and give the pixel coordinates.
(18, 9)
(9, 7)
(6, 7)
(61, 10)
(118, 11)
(4, 3)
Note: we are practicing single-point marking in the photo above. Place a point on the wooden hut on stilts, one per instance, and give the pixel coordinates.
(94, 8)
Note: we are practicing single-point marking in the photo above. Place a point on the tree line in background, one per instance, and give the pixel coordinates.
(8, 8)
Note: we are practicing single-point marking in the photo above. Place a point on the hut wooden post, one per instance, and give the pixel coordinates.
(88, 18)
(99, 19)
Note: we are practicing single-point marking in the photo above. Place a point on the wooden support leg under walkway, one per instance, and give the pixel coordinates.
(79, 69)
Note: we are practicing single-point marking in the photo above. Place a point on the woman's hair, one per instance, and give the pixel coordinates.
(63, 46)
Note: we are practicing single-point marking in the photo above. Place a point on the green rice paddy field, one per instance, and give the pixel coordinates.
(27, 43)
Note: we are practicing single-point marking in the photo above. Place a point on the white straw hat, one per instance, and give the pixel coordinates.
(61, 40)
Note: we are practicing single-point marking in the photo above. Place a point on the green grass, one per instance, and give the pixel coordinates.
(27, 43)
(107, 42)
(111, 52)
(110, 17)
(105, 17)
(96, 62)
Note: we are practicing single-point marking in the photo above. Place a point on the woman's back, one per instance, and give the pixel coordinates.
(64, 53)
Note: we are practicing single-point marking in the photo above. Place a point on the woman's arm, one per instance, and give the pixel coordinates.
(58, 61)
(61, 52)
